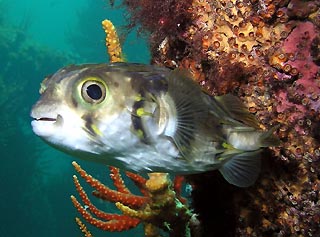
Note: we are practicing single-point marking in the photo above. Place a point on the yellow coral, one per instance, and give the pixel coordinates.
(144, 214)
(112, 42)
(151, 231)
(83, 228)
(157, 181)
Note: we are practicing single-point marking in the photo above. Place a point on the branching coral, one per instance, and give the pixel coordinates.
(112, 42)
(158, 208)
(114, 222)
(266, 53)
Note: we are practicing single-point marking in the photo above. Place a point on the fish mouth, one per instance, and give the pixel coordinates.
(46, 126)
(45, 119)
(57, 119)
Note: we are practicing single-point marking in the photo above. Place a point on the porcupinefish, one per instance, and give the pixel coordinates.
(147, 118)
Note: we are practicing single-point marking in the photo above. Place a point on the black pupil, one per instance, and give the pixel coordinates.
(94, 92)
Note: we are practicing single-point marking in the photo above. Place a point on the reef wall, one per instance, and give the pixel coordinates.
(268, 54)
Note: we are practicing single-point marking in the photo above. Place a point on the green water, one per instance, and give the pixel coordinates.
(36, 39)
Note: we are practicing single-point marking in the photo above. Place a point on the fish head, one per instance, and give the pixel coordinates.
(78, 106)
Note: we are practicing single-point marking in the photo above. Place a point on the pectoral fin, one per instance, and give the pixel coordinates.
(191, 115)
(242, 169)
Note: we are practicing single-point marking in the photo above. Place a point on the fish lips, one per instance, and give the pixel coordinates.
(45, 126)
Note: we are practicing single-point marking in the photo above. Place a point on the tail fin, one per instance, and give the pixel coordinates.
(267, 139)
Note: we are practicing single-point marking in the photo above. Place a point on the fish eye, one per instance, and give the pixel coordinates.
(93, 91)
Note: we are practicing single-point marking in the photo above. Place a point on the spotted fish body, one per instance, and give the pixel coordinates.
(148, 118)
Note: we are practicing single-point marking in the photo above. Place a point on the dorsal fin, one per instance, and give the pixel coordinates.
(236, 110)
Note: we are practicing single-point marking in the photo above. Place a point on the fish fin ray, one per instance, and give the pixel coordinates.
(191, 114)
(243, 169)
(237, 110)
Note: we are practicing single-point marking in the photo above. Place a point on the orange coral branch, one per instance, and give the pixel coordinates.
(108, 194)
(114, 222)
(139, 181)
(90, 206)
(177, 184)
(117, 180)
(111, 225)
